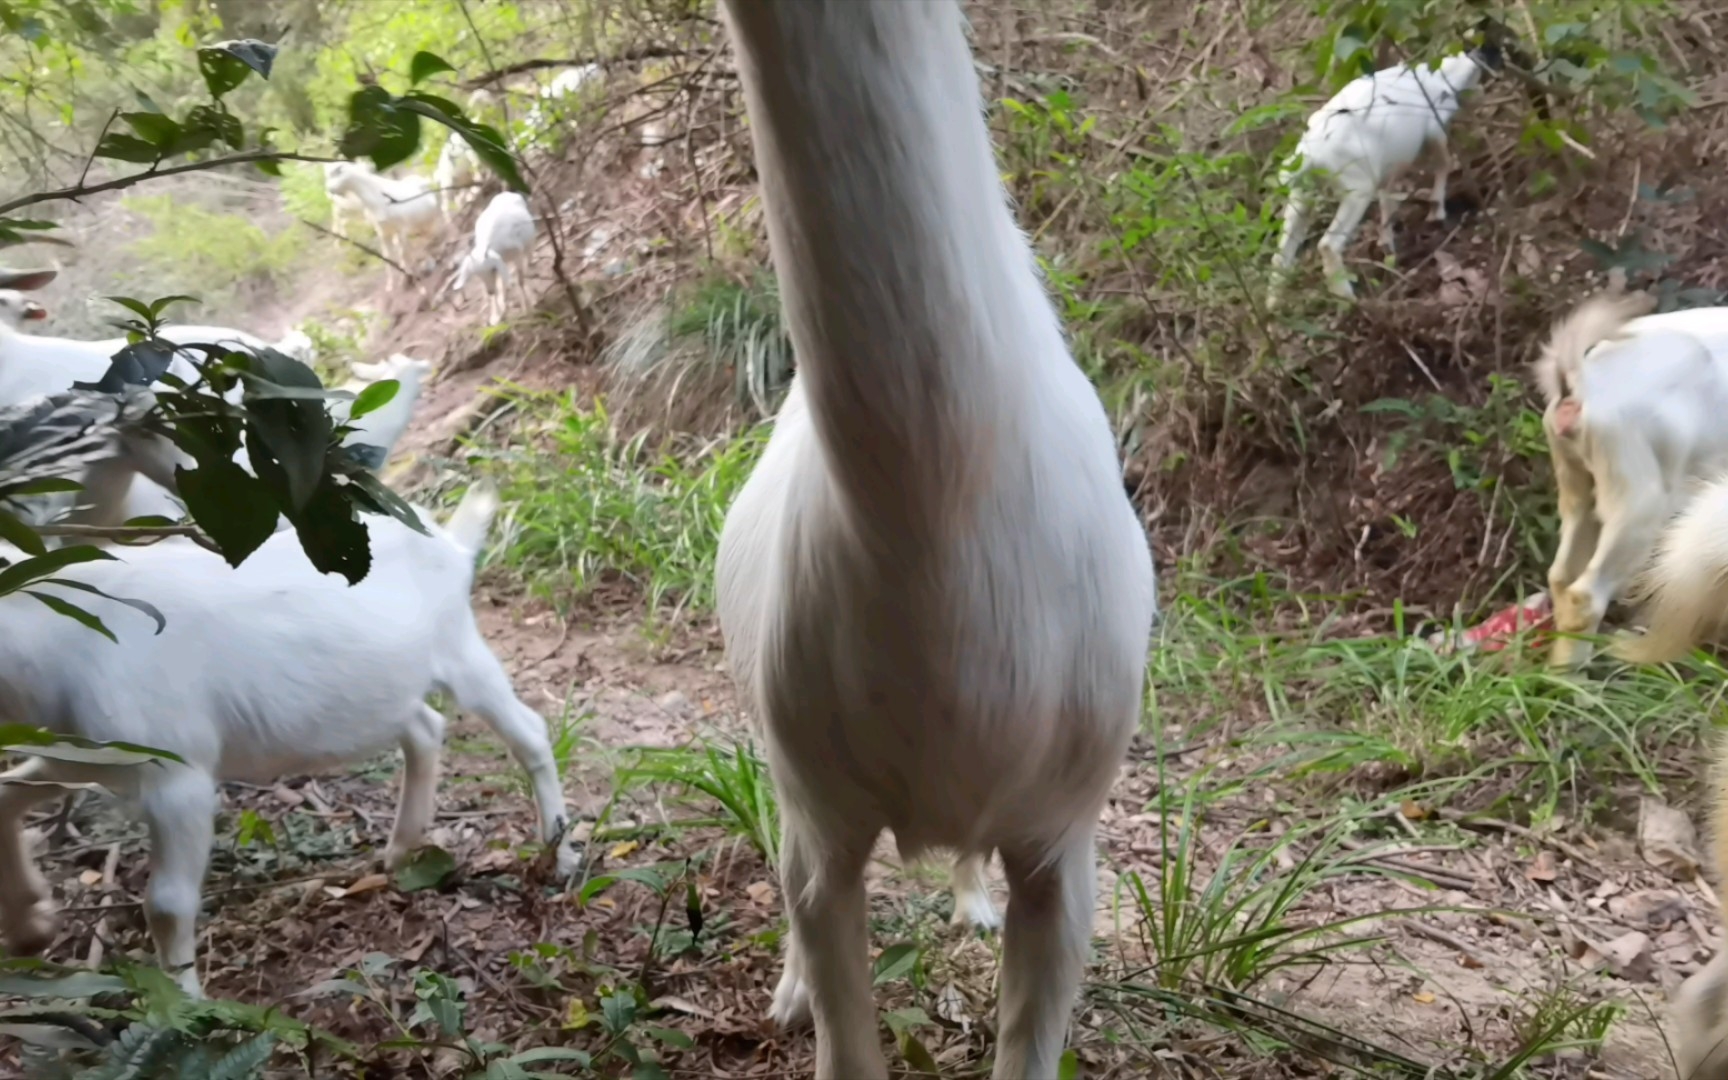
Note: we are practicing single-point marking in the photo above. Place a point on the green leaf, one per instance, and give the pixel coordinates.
(917, 1057)
(123, 147)
(48, 485)
(74, 984)
(377, 129)
(617, 1011)
(553, 1053)
(207, 123)
(137, 307)
(895, 962)
(154, 128)
(488, 144)
(425, 65)
(20, 574)
(23, 536)
(902, 1020)
(232, 507)
(294, 430)
(138, 364)
(226, 64)
(648, 1070)
(42, 743)
(1068, 1066)
(369, 491)
(676, 1039)
(244, 1061)
(427, 868)
(144, 607)
(73, 611)
(260, 56)
(373, 397)
(334, 540)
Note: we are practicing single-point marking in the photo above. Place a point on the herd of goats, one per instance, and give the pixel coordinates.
(937, 600)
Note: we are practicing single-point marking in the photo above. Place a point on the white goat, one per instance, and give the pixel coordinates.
(345, 209)
(384, 426)
(935, 595)
(1362, 142)
(1634, 414)
(333, 674)
(565, 83)
(1687, 601)
(503, 235)
(397, 209)
(457, 170)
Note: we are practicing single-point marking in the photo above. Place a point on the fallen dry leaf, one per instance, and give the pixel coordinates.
(622, 848)
(369, 883)
(1412, 810)
(1543, 868)
(1667, 839)
(1423, 998)
(1628, 956)
(760, 893)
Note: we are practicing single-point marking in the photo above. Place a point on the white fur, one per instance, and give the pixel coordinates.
(345, 209)
(263, 670)
(457, 169)
(503, 237)
(1633, 419)
(1362, 141)
(384, 426)
(935, 595)
(397, 209)
(566, 82)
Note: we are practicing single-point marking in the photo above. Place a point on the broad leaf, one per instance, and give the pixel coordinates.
(333, 539)
(154, 128)
(144, 607)
(139, 364)
(373, 397)
(20, 574)
(260, 56)
(377, 129)
(21, 535)
(231, 506)
(294, 430)
(426, 868)
(425, 65)
(74, 612)
(122, 147)
(895, 962)
(226, 64)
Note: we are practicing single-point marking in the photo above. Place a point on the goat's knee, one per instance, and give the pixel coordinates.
(1700, 1013)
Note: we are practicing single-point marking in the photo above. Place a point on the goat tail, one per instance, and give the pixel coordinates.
(1685, 590)
(1600, 318)
(472, 519)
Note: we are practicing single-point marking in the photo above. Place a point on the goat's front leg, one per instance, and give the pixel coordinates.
(1442, 155)
(1631, 521)
(822, 880)
(1338, 236)
(1043, 954)
(1389, 203)
(1579, 528)
(180, 806)
(422, 745)
(26, 903)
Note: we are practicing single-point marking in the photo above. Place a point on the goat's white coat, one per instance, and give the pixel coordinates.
(1362, 141)
(397, 209)
(457, 169)
(383, 426)
(263, 670)
(935, 594)
(503, 237)
(1633, 419)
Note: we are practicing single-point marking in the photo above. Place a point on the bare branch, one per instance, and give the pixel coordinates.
(79, 191)
(374, 252)
(646, 52)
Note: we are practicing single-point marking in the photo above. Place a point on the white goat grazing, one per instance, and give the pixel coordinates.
(1687, 601)
(935, 596)
(1634, 414)
(457, 170)
(1363, 141)
(262, 670)
(384, 426)
(503, 235)
(397, 209)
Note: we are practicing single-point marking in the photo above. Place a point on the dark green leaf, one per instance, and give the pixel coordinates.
(136, 307)
(425, 65)
(377, 496)
(377, 129)
(374, 396)
(23, 536)
(900, 1021)
(35, 740)
(488, 144)
(427, 868)
(895, 962)
(553, 1053)
(154, 128)
(139, 364)
(333, 539)
(231, 506)
(29, 224)
(146, 608)
(73, 611)
(648, 1070)
(227, 64)
(671, 1038)
(160, 304)
(209, 123)
(294, 430)
(47, 486)
(123, 147)
(20, 574)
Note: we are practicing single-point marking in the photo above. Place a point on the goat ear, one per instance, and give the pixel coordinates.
(25, 280)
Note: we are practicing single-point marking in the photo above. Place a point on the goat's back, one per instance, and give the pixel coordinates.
(266, 667)
(1663, 388)
(1378, 124)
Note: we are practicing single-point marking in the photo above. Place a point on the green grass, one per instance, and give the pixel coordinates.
(586, 507)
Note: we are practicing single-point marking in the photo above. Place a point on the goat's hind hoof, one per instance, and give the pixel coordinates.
(791, 1008)
(33, 932)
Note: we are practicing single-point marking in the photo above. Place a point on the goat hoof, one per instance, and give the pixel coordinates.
(1437, 214)
(791, 1008)
(568, 862)
(34, 932)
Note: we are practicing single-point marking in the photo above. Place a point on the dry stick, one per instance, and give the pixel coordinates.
(374, 252)
(1571, 851)
(646, 52)
(1435, 934)
(79, 191)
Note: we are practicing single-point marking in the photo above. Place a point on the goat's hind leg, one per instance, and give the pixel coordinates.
(1633, 509)
(972, 906)
(482, 687)
(1351, 211)
(180, 806)
(1050, 897)
(26, 903)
